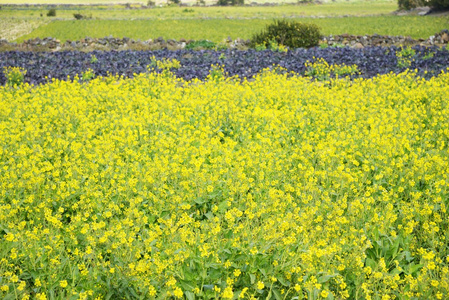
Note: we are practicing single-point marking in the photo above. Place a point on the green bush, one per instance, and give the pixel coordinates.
(438, 3)
(51, 13)
(290, 34)
(230, 2)
(409, 4)
(79, 16)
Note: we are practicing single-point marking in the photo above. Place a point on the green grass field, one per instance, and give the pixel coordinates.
(212, 23)
(161, 2)
(258, 12)
(218, 29)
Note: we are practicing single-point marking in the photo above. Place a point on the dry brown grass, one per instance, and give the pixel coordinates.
(10, 28)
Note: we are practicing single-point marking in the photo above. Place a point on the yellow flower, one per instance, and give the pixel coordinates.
(227, 293)
(324, 294)
(21, 286)
(151, 291)
(41, 296)
(177, 292)
(63, 283)
(242, 294)
(260, 285)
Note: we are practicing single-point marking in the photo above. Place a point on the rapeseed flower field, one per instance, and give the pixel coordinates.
(279, 187)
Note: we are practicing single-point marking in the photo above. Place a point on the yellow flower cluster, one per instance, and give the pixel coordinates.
(274, 187)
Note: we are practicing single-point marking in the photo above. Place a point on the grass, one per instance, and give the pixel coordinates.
(260, 12)
(158, 2)
(218, 29)
(11, 29)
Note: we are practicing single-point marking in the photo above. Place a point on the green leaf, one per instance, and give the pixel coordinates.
(189, 295)
(209, 215)
(186, 285)
(325, 278)
(393, 250)
(208, 287)
(277, 294)
(199, 201)
(223, 206)
(284, 282)
(227, 251)
(370, 263)
(413, 268)
(252, 278)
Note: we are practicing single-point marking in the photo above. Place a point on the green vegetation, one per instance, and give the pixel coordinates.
(290, 34)
(409, 4)
(51, 13)
(160, 2)
(218, 29)
(258, 12)
(201, 44)
(14, 75)
(439, 3)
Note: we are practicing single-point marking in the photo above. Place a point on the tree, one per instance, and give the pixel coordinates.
(409, 4)
(438, 3)
(230, 2)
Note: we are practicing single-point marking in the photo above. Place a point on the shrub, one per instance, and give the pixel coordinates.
(290, 34)
(405, 56)
(81, 17)
(230, 2)
(438, 3)
(409, 4)
(88, 75)
(51, 13)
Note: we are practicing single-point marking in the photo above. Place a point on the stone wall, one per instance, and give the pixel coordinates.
(111, 43)
(358, 41)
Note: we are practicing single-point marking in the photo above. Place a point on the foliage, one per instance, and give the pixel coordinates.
(79, 16)
(409, 4)
(200, 45)
(273, 46)
(173, 2)
(439, 4)
(230, 2)
(277, 187)
(93, 59)
(88, 75)
(321, 70)
(405, 57)
(289, 34)
(15, 76)
(51, 12)
(164, 64)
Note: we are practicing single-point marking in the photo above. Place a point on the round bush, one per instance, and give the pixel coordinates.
(290, 34)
